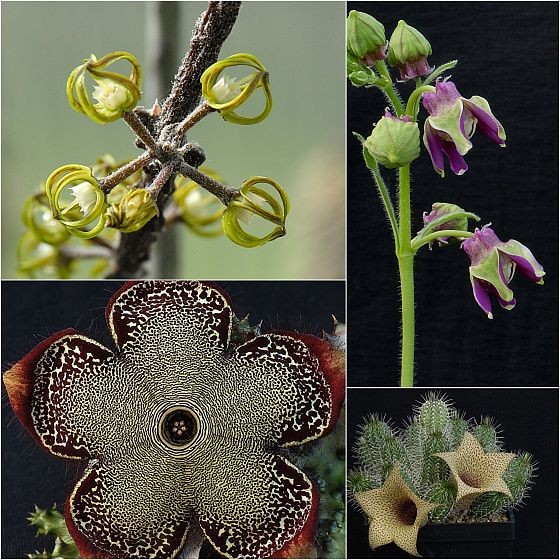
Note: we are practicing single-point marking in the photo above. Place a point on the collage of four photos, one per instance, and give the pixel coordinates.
(279, 279)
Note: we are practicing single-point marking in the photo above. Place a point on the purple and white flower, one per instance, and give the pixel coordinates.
(493, 265)
(453, 120)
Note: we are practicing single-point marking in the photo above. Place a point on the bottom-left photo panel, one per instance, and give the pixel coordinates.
(163, 419)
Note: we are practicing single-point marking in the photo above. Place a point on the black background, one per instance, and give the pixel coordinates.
(508, 54)
(528, 420)
(31, 311)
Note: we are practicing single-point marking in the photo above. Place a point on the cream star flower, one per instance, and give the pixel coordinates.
(476, 472)
(396, 513)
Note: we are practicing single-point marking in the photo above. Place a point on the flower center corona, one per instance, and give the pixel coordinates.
(178, 426)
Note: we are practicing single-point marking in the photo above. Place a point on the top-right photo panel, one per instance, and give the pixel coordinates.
(452, 193)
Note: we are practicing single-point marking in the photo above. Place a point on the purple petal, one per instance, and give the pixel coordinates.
(444, 97)
(480, 292)
(487, 123)
(456, 160)
(525, 267)
(434, 145)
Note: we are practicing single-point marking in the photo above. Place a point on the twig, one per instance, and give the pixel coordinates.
(211, 30)
(224, 192)
(141, 131)
(112, 180)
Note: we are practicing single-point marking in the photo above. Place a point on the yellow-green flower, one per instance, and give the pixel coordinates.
(115, 94)
(226, 94)
(37, 216)
(200, 210)
(132, 212)
(254, 200)
(76, 200)
(37, 259)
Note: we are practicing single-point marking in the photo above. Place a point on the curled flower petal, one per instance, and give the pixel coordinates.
(115, 94)
(37, 216)
(87, 204)
(226, 94)
(132, 212)
(256, 201)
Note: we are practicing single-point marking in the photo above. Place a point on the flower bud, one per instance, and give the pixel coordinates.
(439, 211)
(115, 94)
(256, 201)
(408, 50)
(394, 142)
(226, 94)
(365, 37)
(133, 211)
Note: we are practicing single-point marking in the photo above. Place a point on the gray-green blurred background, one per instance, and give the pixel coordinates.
(301, 144)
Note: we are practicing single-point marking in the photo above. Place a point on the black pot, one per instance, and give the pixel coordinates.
(459, 540)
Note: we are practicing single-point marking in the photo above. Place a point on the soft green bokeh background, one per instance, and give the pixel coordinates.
(301, 144)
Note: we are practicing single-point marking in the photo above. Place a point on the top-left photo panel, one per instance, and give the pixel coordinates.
(173, 140)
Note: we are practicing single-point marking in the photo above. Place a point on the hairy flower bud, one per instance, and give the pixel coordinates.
(438, 212)
(365, 37)
(394, 142)
(408, 50)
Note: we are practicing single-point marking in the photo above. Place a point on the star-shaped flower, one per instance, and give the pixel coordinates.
(180, 426)
(396, 513)
(475, 472)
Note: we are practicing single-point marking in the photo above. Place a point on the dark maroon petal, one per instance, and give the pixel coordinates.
(125, 508)
(456, 160)
(266, 505)
(297, 384)
(486, 122)
(61, 414)
(147, 316)
(434, 145)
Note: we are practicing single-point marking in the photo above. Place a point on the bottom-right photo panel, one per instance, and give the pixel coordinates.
(458, 473)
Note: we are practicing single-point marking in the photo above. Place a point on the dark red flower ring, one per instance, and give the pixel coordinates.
(181, 428)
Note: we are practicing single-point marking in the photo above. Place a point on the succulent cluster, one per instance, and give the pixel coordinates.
(96, 204)
(455, 465)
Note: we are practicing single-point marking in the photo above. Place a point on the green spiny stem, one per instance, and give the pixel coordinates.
(405, 255)
(389, 88)
(417, 243)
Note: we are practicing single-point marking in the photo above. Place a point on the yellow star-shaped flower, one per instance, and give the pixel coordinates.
(396, 513)
(475, 472)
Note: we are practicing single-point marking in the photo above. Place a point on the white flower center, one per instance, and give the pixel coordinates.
(226, 89)
(85, 196)
(110, 94)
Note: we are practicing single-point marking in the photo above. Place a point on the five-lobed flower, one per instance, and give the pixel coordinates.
(493, 265)
(115, 94)
(226, 94)
(452, 122)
